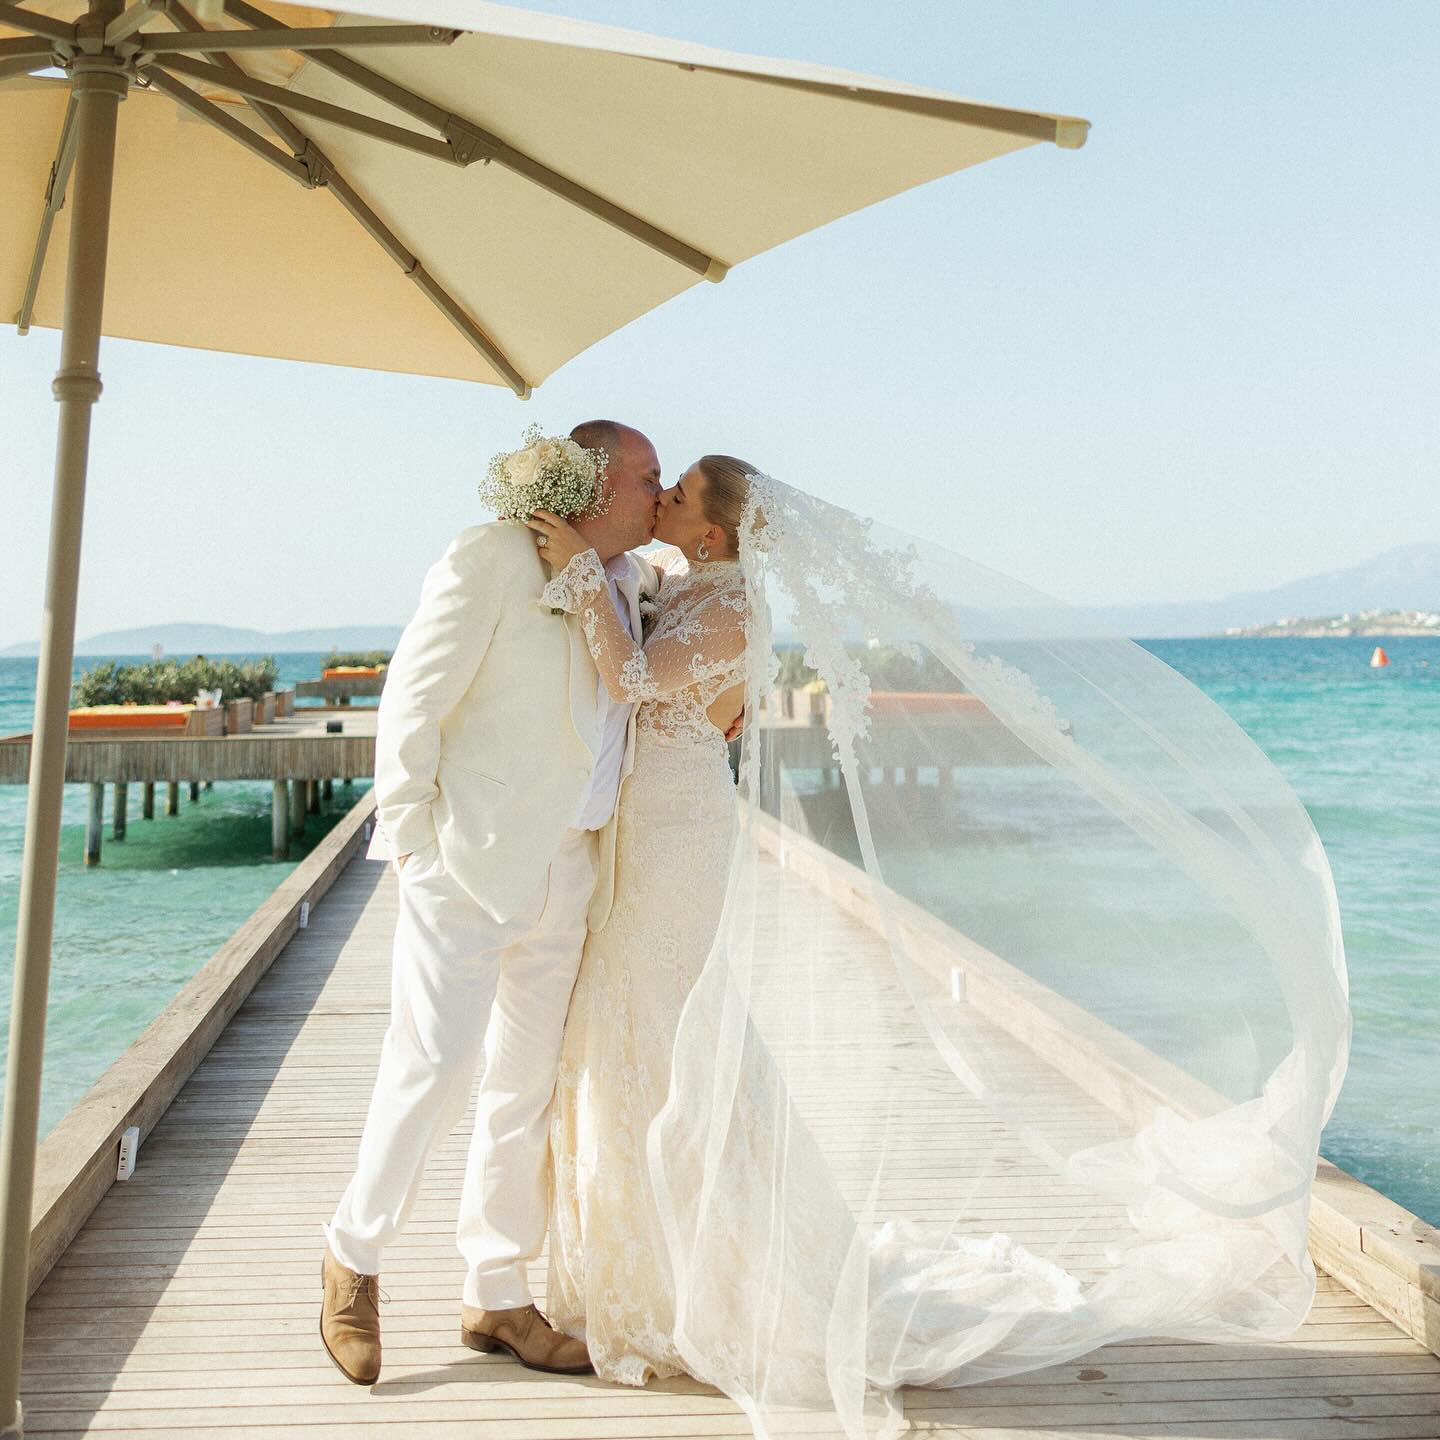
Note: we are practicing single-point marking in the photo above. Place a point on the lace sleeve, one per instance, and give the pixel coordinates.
(578, 583)
(705, 643)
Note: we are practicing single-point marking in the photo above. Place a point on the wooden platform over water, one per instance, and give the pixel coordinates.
(187, 1305)
(296, 747)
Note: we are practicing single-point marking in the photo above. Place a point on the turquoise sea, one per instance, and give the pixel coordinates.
(130, 931)
(1360, 747)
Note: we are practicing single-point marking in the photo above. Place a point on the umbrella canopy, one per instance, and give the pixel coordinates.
(553, 179)
(503, 190)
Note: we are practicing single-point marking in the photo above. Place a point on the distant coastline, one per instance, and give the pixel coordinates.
(1394, 593)
(1365, 622)
(181, 639)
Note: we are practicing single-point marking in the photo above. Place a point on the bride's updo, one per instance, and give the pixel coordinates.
(727, 486)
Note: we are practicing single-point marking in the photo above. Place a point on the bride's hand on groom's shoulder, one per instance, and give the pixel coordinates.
(560, 542)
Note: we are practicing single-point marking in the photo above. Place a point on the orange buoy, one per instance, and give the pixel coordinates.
(1378, 658)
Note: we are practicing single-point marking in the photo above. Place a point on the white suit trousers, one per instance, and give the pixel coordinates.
(461, 982)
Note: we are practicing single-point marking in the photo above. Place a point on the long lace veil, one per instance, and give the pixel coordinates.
(1026, 1009)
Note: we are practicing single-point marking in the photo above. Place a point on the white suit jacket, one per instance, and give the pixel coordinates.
(488, 726)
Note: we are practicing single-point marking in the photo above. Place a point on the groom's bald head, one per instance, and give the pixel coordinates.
(632, 478)
(601, 434)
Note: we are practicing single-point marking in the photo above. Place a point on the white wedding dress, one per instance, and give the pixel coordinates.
(1000, 1121)
(608, 1277)
(610, 1282)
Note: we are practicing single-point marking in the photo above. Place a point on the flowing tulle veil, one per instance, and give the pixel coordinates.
(1025, 1011)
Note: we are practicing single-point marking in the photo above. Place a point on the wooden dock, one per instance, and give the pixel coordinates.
(340, 690)
(298, 753)
(187, 1303)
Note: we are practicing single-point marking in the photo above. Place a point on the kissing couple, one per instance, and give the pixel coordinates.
(553, 784)
(824, 1084)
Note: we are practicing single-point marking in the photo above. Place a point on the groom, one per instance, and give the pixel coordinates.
(497, 763)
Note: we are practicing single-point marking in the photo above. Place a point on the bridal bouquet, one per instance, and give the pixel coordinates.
(550, 472)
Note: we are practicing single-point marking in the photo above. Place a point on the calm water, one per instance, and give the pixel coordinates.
(1362, 750)
(1360, 747)
(130, 931)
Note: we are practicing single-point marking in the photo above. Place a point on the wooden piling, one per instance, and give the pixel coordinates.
(327, 789)
(297, 807)
(312, 796)
(147, 801)
(172, 797)
(194, 791)
(122, 796)
(93, 823)
(279, 821)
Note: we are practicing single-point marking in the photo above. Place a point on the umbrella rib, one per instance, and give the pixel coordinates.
(472, 143)
(54, 200)
(13, 69)
(277, 120)
(299, 39)
(197, 104)
(245, 84)
(34, 46)
(429, 286)
(23, 19)
(320, 171)
(316, 169)
(129, 20)
(1066, 131)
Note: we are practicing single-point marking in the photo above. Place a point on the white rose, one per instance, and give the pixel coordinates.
(522, 468)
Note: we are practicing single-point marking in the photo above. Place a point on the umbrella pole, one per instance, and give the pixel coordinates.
(99, 86)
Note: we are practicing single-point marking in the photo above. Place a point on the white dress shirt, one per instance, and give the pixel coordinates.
(612, 719)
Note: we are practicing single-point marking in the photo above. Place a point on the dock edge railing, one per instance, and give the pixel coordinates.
(1386, 1255)
(77, 1162)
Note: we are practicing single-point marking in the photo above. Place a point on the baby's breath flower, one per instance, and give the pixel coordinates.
(550, 472)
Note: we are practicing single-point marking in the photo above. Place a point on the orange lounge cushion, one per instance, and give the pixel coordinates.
(927, 701)
(130, 717)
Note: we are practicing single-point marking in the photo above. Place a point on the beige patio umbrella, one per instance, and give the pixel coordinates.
(498, 190)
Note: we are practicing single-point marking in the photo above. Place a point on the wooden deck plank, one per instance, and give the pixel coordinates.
(187, 1305)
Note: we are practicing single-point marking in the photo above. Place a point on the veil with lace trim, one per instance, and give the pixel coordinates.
(1025, 1011)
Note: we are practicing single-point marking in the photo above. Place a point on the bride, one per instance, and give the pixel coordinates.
(993, 1017)
(608, 1279)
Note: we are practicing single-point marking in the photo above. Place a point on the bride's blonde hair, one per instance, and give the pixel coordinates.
(727, 487)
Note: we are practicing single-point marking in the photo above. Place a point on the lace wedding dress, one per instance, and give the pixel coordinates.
(610, 1281)
(999, 1025)
(608, 1278)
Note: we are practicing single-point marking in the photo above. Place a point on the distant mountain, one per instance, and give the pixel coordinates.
(186, 638)
(1405, 578)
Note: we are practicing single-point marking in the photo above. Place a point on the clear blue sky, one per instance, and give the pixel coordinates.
(1196, 356)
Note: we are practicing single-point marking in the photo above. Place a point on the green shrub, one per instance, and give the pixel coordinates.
(888, 667)
(357, 657)
(157, 682)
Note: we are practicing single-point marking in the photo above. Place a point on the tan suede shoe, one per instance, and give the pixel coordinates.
(527, 1335)
(350, 1320)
